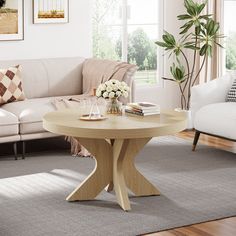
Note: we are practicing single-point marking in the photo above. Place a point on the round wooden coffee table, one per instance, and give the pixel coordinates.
(114, 143)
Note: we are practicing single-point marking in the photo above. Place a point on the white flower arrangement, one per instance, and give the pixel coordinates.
(113, 89)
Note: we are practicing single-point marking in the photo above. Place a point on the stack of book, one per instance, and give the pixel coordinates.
(143, 109)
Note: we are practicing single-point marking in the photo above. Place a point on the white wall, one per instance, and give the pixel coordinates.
(167, 96)
(74, 39)
(53, 40)
(11, 4)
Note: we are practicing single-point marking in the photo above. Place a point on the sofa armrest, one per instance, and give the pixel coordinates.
(131, 97)
(132, 92)
(214, 91)
(130, 81)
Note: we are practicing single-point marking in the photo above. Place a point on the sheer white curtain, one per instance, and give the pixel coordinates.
(214, 66)
(215, 7)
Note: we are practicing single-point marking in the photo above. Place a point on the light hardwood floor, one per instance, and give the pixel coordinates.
(225, 227)
(211, 141)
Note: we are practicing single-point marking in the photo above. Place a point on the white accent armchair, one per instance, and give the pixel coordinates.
(211, 113)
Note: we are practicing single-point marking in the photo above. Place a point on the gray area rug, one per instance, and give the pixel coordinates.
(195, 187)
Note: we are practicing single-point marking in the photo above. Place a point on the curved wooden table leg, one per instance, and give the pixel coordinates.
(102, 173)
(110, 187)
(119, 150)
(115, 169)
(135, 181)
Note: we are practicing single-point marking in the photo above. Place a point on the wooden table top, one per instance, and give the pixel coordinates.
(67, 122)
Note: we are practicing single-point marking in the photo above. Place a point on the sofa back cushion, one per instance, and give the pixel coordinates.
(64, 76)
(49, 77)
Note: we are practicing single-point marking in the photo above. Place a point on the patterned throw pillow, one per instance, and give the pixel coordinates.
(11, 85)
(231, 97)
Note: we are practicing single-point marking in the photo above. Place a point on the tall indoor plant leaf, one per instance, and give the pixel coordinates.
(198, 36)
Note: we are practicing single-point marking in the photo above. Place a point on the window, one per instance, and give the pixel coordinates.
(127, 30)
(230, 32)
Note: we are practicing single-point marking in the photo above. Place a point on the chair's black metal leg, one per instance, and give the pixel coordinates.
(195, 141)
(23, 149)
(15, 150)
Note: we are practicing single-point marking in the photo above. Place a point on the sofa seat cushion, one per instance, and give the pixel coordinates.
(9, 123)
(218, 119)
(30, 113)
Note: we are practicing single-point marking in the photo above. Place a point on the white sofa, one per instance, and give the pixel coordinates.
(43, 79)
(211, 113)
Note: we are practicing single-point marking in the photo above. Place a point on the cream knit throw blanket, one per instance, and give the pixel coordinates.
(95, 72)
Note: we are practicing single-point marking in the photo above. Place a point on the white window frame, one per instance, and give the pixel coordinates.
(223, 55)
(224, 69)
(160, 24)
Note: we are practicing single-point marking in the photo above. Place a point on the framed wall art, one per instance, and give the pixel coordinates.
(11, 20)
(51, 11)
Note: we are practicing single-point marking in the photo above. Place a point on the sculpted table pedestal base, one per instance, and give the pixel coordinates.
(114, 143)
(114, 169)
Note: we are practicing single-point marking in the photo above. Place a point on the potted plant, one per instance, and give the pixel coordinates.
(198, 35)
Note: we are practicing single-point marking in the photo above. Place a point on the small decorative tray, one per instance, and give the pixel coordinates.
(87, 117)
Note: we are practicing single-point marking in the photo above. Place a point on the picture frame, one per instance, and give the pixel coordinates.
(50, 11)
(11, 20)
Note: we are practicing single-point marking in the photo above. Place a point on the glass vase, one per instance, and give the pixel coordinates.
(114, 106)
(94, 110)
